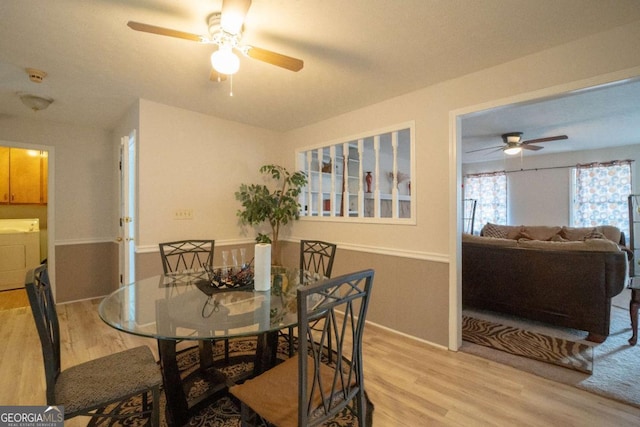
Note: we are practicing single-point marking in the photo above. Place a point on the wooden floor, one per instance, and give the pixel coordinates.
(13, 298)
(409, 382)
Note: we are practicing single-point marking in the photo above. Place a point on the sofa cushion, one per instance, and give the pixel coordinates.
(581, 233)
(493, 241)
(558, 238)
(610, 232)
(576, 233)
(539, 232)
(501, 231)
(597, 245)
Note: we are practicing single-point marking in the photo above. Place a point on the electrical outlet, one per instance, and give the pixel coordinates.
(183, 214)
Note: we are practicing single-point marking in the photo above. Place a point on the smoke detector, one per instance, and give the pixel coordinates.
(36, 76)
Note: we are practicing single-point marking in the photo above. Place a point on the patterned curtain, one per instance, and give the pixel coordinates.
(601, 194)
(490, 191)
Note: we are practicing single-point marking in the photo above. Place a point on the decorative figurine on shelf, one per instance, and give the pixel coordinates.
(400, 178)
(368, 179)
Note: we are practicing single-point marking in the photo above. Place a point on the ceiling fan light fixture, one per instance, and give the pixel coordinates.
(512, 149)
(225, 61)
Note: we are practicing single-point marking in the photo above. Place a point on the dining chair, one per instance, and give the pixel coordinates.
(305, 390)
(82, 389)
(316, 258)
(190, 255)
(186, 255)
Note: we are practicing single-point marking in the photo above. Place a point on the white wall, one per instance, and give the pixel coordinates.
(541, 196)
(193, 161)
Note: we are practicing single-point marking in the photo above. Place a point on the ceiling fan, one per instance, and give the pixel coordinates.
(225, 31)
(514, 144)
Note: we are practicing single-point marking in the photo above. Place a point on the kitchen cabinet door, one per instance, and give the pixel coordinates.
(4, 174)
(25, 172)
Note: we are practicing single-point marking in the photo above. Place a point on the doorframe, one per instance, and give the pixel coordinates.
(51, 217)
(455, 177)
(127, 205)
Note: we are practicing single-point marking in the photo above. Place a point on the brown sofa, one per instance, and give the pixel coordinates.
(557, 275)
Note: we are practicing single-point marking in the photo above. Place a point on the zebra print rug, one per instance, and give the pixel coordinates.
(520, 342)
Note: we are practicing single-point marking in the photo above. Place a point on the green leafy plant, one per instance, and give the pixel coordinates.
(277, 205)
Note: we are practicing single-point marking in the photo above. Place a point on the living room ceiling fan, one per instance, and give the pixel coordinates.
(513, 143)
(225, 31)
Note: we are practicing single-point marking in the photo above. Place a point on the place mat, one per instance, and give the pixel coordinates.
(520, 342)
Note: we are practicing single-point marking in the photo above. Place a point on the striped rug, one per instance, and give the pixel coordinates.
(520, 342)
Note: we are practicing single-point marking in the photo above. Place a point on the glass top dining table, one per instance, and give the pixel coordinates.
(189, 305)
(186, 306)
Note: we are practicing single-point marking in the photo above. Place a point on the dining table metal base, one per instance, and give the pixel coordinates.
(179, 407)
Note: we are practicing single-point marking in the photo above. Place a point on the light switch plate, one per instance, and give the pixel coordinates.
(183, 214)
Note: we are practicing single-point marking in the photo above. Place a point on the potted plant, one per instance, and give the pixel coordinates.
(277, 205)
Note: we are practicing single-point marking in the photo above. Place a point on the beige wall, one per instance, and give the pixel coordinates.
(86, 270)
(193, 161)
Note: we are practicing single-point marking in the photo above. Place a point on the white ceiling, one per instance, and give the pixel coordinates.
(596, 118)
(356, 52)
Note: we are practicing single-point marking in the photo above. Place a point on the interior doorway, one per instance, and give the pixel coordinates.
(457, 118)
(34, 166)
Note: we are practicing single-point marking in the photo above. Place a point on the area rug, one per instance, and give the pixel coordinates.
(521, 342)
(615, 362)
(224, 412)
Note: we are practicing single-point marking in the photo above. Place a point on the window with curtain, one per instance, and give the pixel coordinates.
(490, 191)
(600, 195)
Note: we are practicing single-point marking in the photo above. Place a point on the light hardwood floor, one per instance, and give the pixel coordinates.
(410, 383)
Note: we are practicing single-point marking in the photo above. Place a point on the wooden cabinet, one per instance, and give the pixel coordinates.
(4, 174)
(23, 176)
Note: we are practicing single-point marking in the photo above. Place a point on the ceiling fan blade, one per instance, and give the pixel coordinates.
(549, 138)
(482, 149)
(146, 28)
(530, 147)
(273, 58)
(216, 76)
(233, 14)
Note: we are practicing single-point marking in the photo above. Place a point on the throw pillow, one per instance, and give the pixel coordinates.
(558, 238)
(576, 233)
(539, 232)
(593, 234)
(494, 230)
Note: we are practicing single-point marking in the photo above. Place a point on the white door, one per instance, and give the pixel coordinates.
(127, 208)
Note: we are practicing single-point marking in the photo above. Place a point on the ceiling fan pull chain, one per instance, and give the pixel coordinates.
(231, 85)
